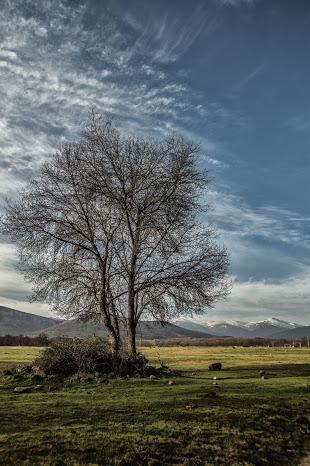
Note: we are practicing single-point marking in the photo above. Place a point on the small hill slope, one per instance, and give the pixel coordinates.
(13, 322)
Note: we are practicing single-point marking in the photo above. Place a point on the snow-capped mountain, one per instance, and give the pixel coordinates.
(277, 322)
(237, 328)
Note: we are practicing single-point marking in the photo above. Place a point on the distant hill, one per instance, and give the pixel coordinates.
(299, 332)
(13, 322)
(147, 330)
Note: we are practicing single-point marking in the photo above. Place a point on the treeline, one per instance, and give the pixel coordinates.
(225, 341)
(24, 340)
(43, 340)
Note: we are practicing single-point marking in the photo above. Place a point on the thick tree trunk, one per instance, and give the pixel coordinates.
(131, 326)
(132, 348)
(114, 342)
(113, 334)
(131, 318)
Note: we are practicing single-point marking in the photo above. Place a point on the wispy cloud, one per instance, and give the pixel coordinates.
(231, 213)
(47, 85)
(170, 35)
(53, 68)
(299, 122)
(251, 76)
(236, 3)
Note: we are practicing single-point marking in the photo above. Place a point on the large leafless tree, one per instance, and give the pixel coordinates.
(110, 228)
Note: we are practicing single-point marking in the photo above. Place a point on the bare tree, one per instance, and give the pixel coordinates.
(110, 228)
(169, 262)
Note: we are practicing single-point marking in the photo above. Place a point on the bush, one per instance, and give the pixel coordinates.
(68, 356)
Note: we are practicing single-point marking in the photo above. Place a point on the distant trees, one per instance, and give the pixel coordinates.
(109, 229)
(24, 340)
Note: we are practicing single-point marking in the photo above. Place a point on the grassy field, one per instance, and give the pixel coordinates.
(243, 421)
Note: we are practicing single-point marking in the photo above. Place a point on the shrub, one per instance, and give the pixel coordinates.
(68, 356)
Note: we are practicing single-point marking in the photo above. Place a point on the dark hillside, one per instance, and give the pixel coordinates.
(13, 322)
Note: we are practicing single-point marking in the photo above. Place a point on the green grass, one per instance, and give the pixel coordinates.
(147, 422)
(11, 355)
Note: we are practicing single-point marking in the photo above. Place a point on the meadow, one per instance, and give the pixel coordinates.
(237, 419)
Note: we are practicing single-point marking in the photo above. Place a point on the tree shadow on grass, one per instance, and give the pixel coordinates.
(169, 425)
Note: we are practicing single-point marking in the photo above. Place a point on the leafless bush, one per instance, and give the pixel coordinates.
(72, 356)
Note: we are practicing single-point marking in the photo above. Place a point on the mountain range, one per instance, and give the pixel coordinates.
(268, 328)
(13, 322)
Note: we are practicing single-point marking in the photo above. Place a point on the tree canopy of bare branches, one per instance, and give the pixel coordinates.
(110, 230)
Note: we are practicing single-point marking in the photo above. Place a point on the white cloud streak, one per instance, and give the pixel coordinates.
(231, 213)
(235, 3)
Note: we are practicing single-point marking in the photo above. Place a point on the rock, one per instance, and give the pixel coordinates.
(23, 389)
(214, 378)
(38, 387)
(215, 384)
(263, 377)
(171, 382)
(262, 372)
(215, 366)
(152, 377)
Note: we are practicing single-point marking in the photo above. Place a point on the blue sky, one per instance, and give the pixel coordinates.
(232, 74)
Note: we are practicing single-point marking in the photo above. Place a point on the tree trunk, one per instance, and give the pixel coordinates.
(131, 326)
(131, 329)
(131, 318)
(114, 342)
(113, 334)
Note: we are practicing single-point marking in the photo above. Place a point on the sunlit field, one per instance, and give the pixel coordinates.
(10, 355)
(237, 419)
